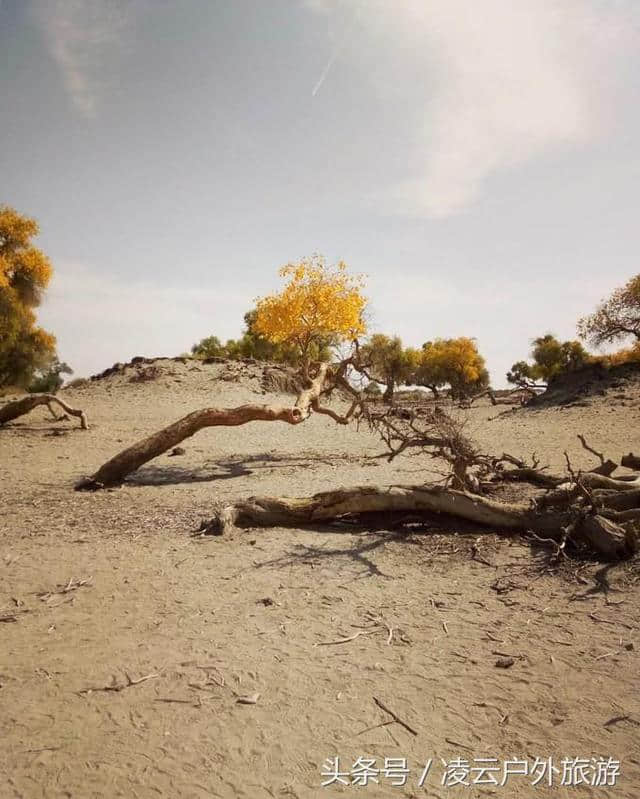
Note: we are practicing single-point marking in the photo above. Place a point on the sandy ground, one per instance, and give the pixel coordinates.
(110, 586)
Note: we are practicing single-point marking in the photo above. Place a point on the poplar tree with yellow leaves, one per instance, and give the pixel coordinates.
(320, 306)
(25, 272)
(455, 362)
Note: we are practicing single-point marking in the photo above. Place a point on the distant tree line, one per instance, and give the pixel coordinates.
(615, 319)
(252, 344)
(327, 302)
(453, 363)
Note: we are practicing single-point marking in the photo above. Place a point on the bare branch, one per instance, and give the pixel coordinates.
(12, 410)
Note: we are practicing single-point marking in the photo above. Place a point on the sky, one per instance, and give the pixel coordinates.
(477, 160)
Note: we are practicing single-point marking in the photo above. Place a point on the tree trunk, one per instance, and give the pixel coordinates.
(607, 539)
(12, 410)
(115, 470)
(388, 392)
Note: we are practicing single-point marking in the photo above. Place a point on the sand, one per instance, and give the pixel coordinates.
(112, 585)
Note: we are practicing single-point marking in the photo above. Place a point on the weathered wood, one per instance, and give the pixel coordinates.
(593, 480)
(630, 461)
(330, 505)
(607, 468)
(604, 537)
(117, 468)
(17, 408)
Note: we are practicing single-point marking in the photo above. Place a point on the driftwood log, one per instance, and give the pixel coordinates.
(17, 408)
(594, 531)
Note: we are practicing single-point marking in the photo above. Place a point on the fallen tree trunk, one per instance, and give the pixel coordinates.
(115, 470)
(608, 539)
(12, 410)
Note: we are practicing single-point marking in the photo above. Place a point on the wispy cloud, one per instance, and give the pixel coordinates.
(99, 319)
(81, 35)
(497, 82)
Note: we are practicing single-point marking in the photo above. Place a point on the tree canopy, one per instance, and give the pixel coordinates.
(209, 347)
(550, 357)
(250, 345)
(49, 380)
(320, 306)
(455, 362)
(616, 318)
(388, 362)
(25, 272)
(625, 355)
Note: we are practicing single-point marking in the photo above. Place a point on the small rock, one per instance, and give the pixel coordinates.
(267, 601)
(629, 647)
(177, 451)
(505, 663)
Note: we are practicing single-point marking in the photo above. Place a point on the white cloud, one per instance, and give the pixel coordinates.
(101, 319)
(80, 36)
(496, 82)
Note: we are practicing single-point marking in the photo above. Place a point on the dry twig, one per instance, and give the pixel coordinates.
(115, 686)
(394, 716)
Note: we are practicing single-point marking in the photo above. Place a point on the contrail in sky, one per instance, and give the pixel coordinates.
(348, 30)
(325, 72)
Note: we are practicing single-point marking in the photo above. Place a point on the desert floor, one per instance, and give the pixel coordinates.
(113, 586)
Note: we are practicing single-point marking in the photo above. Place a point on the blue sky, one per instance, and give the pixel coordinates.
(478, 161)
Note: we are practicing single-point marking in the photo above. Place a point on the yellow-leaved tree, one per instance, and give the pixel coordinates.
(319, 306)
(455, 362)
(25, 273)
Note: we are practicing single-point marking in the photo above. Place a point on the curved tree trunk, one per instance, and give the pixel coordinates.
(12, 410)
(115, 470)
(599, 534)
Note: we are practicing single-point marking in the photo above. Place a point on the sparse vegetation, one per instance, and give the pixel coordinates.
(616, 318)
(551, 358)
(50, 380)
(386, 361)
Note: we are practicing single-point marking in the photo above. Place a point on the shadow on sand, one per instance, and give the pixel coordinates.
(228, 468)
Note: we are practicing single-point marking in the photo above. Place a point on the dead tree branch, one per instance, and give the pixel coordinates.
(594, 532)
(12, 410)
(117, 468)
